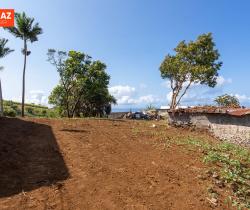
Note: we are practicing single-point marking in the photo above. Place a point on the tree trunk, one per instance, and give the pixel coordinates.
(173, 101)
(24, 68)
(68, 111)
(185, 91)
(1, 101)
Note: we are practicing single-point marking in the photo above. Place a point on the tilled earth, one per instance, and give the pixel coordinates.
(100, 164)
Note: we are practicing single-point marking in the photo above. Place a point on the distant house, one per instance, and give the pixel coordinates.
(231, 124)
(165, 107)
(168, 107)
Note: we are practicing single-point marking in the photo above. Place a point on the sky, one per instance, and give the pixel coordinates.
(132, 37)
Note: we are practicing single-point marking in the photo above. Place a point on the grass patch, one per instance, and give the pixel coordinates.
(233, 168)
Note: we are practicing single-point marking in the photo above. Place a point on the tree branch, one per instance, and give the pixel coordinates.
(184, 93)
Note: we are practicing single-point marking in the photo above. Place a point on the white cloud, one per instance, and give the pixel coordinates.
(244, 99)
(166, 84)
(123, 94)
(127, 95)
(169, 96)
(37, 97)
(202, 94)
(147, 99)
(222, 81)
(120, 90)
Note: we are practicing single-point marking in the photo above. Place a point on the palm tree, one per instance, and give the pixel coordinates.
(3, 52)
(28, 31)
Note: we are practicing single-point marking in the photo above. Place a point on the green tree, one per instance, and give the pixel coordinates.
(83, 85)
(28, 31)
(95, 100)
(195, 62)
(3, 52)
(227, 101)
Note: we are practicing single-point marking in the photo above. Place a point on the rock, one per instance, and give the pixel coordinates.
(201, 177)
(153, 126)
(219, 183)
(215, 175)
(213, 201)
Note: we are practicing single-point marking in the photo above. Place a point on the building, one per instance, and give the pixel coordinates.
(230, 124)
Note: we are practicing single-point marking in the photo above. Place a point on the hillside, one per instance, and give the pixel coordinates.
(13, 109)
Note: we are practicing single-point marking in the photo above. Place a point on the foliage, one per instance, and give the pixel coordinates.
(194, 63)
(3, 52)
(3, 49)
(25, 28)
(227, 101)
(13, 109)
(30, 110)
(28, 31)
(8, 111)
(234, 167)
(83, 85)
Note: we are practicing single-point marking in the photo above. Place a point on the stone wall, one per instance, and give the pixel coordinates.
(223, 126)
(117, 115)
(163, 113)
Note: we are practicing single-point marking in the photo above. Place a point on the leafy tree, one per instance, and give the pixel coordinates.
(28, 31)
(3, 52)
(227, 101)
(3, 49)
(195, 62)
(83, 85)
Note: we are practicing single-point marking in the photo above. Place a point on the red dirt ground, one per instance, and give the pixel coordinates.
(99, 164)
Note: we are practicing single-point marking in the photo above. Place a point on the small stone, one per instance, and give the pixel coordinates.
(201, 177)
(213, 201)
(219, 183)
(153, 162)
(153, 126)
(215, 175)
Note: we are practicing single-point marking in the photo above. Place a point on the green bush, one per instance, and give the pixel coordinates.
(9, 112)
(14, 106)
(30, 110)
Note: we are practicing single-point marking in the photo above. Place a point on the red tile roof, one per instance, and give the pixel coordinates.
(215, 110)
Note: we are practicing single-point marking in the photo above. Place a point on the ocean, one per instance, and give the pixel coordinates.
(127, 109)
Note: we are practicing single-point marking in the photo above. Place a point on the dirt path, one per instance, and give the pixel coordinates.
(97, 164)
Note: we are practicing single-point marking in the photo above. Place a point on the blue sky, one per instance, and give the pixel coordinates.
(131, 37)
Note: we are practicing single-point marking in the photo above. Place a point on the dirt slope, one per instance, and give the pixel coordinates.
(98, 164)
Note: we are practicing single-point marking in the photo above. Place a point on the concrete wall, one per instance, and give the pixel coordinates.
(163, 113)
(117, 115)
(223, 126)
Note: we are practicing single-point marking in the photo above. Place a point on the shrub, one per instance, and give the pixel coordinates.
(9, 112)
(30, 110)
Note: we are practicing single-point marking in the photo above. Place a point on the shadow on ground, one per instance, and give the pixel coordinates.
(74, 131)
(29, 157)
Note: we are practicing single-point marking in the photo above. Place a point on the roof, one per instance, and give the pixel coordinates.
(178, 107)
(238, 112)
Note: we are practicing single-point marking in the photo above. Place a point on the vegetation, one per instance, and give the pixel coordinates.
(13, 109)
(194, 63)
(83, 85)
(28, 32)
(3, 52)
(3, 49)
(228, 164)
(227, 101)
(233, 168)
(150, 107)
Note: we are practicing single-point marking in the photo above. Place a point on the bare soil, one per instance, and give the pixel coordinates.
(100, 164)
